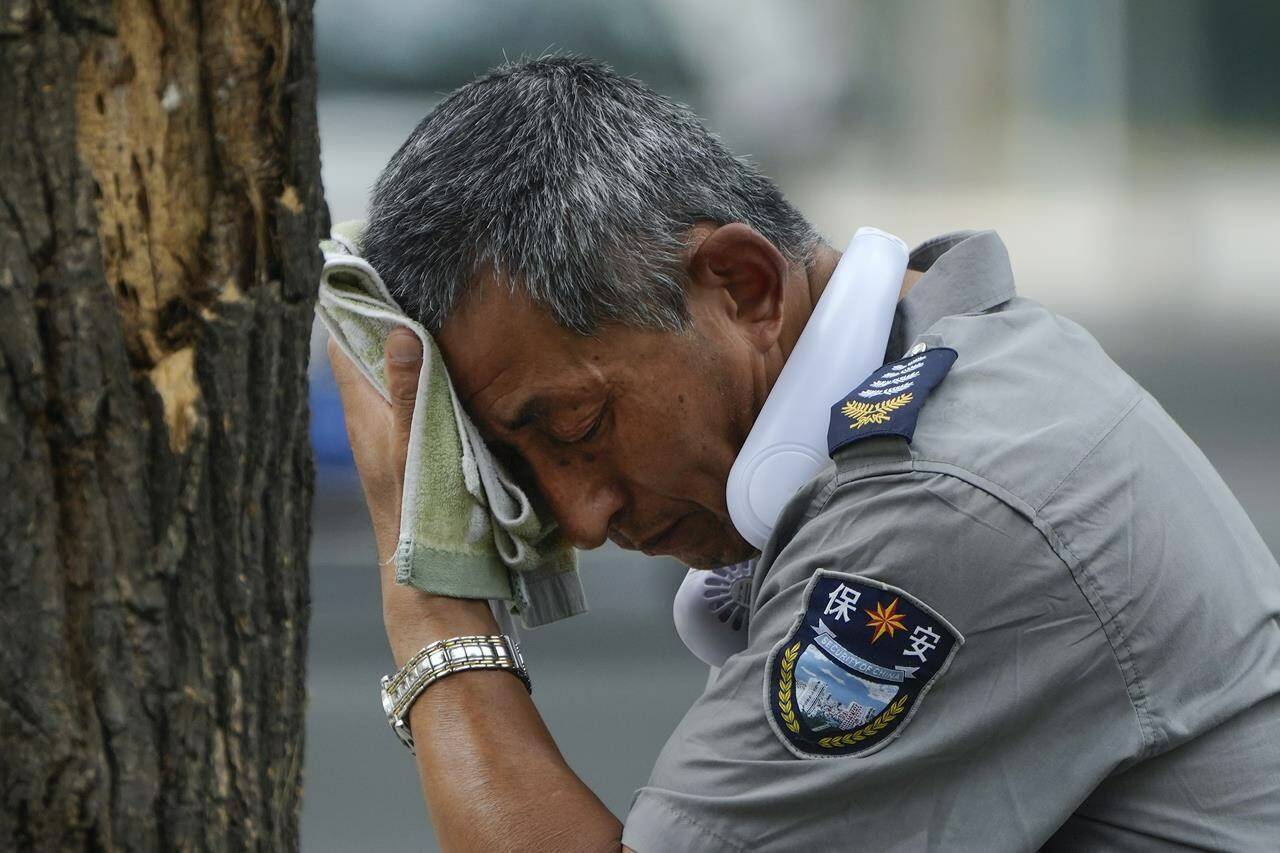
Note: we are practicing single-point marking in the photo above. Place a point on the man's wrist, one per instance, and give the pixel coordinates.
(461, 654)
(386, 535)
(415, 619)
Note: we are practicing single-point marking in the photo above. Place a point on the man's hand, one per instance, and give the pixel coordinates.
(378, 431)
(379, 436)
(491, 774)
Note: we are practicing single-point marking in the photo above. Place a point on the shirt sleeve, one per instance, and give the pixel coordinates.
(1025, 717)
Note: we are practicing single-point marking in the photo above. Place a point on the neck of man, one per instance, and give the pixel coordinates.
(803, 292)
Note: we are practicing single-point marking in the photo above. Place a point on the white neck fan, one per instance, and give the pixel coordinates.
(842, 343)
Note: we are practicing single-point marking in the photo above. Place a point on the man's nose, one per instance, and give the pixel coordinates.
(583, 502)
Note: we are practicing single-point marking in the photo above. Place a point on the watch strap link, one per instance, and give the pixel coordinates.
(442, 658)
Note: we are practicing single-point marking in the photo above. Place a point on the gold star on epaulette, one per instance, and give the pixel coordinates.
(873, 413)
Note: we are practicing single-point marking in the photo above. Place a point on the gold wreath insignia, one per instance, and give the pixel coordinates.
(873, 728)
(873, 413)
(785, 681)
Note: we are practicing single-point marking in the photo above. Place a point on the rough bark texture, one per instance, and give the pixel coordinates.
(160, 203)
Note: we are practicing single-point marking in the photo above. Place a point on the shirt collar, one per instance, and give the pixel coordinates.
(965, 272)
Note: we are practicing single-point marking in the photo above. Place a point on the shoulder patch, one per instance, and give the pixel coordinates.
(889, 401)
(852, 671)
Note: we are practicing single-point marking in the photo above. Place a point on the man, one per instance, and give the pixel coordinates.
(1019, 610)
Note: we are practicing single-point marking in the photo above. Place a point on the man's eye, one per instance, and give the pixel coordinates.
(594, 428)
(591, 431)
(516, 466)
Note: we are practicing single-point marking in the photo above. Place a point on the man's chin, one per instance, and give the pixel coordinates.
(736, 550)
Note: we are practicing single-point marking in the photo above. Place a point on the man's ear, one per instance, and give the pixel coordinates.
(738, 262)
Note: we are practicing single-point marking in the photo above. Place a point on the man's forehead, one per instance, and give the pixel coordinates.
(502, 346)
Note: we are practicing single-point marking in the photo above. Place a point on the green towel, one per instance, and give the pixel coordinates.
(467, 529)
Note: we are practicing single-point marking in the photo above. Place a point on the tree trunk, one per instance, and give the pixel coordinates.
(160, 203)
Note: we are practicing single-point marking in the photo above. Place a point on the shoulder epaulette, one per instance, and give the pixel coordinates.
(889, 401)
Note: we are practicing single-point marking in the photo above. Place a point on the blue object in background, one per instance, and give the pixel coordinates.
(328, 428)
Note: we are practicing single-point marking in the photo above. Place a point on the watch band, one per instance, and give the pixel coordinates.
(441, 658)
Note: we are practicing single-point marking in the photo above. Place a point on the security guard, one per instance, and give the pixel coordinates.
(1019, 610)
(1065, 628)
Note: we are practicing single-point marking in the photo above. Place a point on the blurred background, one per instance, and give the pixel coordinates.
(1127, 152)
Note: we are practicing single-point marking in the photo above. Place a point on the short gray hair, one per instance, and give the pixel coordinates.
(578, 185)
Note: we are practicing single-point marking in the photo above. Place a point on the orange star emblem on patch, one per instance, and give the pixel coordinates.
(886, 620)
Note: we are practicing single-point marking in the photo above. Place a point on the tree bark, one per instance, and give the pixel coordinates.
(160, 203)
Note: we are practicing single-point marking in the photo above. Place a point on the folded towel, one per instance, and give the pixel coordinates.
(467, 529)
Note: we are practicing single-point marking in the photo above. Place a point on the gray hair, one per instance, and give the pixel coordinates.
(578, 185)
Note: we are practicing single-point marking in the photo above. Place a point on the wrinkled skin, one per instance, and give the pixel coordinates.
(641, 427)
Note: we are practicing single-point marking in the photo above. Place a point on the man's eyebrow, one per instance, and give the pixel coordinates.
(535, 408)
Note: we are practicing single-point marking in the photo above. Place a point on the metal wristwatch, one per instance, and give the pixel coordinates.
(441, 658)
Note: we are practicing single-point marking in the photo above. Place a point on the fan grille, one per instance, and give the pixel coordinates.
(727, 592)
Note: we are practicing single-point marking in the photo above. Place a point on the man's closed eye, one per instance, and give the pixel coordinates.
(591, 431)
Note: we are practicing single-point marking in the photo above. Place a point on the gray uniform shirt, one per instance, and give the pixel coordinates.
(1115, 677)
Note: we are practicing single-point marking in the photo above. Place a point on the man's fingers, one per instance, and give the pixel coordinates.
(404, 363)
(339, 364)
(355, 390)
(345, 375)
